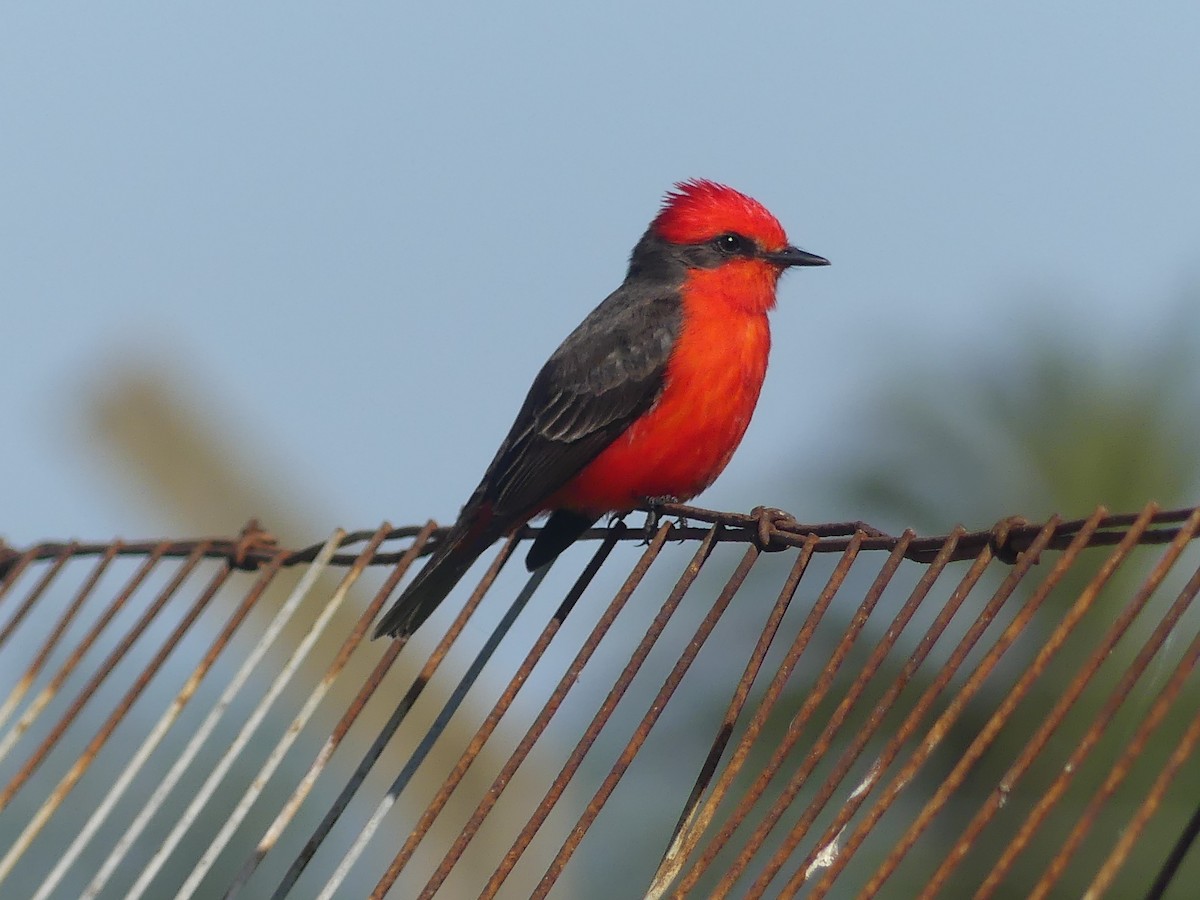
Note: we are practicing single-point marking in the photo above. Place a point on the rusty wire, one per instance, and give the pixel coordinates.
(770, 528)
(833, 782)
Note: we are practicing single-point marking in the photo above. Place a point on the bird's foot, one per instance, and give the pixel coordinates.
(654, 514)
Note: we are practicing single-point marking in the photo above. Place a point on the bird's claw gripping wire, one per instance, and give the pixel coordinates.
(654, 514)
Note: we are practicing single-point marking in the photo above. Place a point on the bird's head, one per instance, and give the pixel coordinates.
(722, 238)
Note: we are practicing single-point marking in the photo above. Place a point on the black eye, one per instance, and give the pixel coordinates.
(732, 244)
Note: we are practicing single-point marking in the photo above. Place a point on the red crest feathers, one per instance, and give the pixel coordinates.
(698, 210)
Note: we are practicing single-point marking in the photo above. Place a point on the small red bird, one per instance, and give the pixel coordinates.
(646, 400)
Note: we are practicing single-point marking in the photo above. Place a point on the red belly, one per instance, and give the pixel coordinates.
(685, 440)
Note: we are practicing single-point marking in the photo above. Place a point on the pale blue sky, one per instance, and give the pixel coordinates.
(294, 201)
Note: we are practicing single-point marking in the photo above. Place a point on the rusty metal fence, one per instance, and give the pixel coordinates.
(682, 713)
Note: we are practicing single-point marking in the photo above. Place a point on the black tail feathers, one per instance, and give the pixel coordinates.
(561, 530)
(449, 563)
(456, 554)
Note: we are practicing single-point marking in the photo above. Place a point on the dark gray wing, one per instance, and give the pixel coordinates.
(606, 373)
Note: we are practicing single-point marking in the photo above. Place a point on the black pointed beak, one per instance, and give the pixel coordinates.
(794, 256)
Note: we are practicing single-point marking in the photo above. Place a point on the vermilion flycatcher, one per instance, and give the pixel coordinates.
(644, 402)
